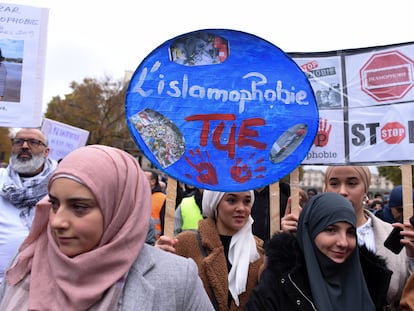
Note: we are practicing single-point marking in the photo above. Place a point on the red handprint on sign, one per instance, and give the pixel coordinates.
(207, 172)
(322, 137)
(242, 172)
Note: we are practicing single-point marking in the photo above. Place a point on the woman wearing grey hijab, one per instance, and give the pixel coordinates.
(319, 268)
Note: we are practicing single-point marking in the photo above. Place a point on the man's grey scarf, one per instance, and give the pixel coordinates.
(24, 194)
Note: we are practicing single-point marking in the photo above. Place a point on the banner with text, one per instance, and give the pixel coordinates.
(63, 138)
(23, 38)
(366, 104)
(222, 109)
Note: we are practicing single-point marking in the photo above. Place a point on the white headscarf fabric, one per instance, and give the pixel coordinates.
(242, 249)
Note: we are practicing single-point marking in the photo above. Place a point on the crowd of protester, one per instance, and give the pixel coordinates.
(102, 228)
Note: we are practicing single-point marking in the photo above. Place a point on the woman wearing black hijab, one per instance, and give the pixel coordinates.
(319, 268)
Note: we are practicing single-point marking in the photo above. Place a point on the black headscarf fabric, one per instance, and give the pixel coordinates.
(334, 286)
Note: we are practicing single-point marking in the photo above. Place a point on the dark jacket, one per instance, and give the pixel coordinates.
(385, 214)
(284, 284)
(261, 209)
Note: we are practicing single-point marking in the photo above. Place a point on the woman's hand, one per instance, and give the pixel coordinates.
(408, 234)
(166, 243)
(289, 222)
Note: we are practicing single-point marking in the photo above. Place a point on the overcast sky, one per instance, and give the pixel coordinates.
(92, 38)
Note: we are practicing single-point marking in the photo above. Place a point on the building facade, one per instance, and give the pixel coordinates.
(314, 178)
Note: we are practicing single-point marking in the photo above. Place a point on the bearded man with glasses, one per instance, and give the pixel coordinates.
(22, 184)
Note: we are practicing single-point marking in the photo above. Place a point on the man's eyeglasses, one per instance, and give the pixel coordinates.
(32, 142)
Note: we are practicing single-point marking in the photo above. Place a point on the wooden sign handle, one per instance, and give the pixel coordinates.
(294, 191)
(274, 201)
(274, 208)
(407, 188)
(170, 207)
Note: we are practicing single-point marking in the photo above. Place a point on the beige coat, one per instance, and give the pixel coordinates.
(398, 264)
(213, 268)
(407, 298)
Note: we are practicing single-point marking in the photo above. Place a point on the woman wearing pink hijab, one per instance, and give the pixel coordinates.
(86, 249)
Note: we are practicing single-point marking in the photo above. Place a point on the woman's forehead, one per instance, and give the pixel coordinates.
(344, 172)
(238, 194)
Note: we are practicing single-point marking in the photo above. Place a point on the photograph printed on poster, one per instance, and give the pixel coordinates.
(325, 76)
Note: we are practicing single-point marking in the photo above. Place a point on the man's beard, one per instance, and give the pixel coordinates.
(27, 166)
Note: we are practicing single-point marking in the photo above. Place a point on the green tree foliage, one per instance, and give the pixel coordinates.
(286, 178)
(393, 173)
(5, 144)
(98, 107)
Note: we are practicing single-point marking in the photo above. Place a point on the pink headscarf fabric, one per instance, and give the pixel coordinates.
(124, 196)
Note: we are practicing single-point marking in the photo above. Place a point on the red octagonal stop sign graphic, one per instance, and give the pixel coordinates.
(387, 76)
(393, 132)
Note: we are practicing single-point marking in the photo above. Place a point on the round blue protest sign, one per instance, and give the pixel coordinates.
(222, 110)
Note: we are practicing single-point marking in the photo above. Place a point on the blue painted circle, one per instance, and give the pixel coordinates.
(222, 110)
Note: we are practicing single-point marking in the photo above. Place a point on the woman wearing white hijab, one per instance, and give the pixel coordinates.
(228, 256)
